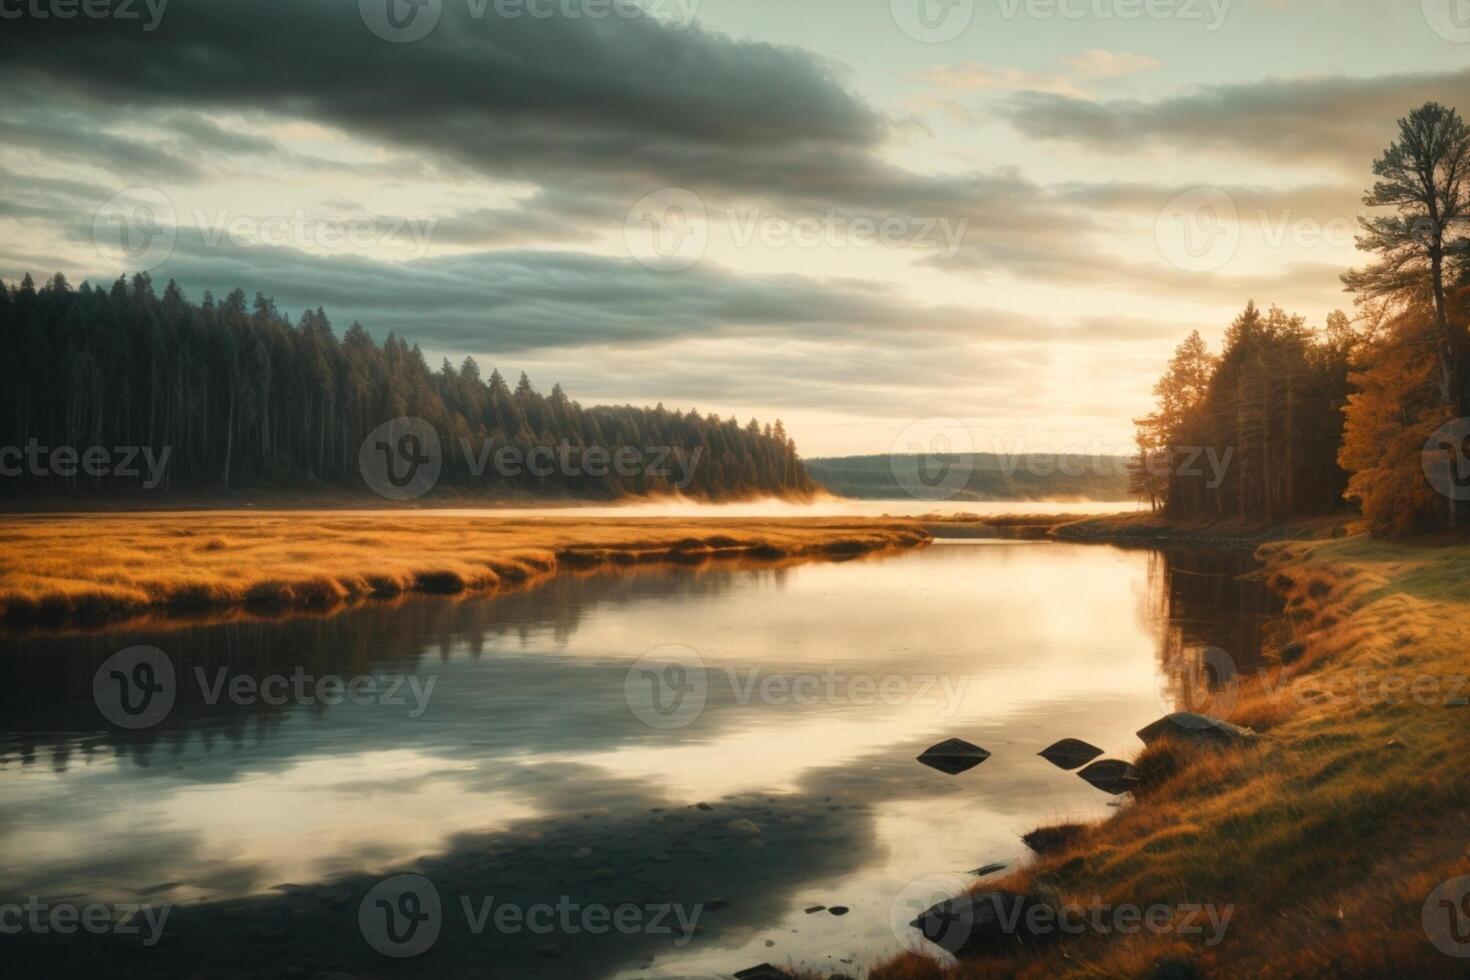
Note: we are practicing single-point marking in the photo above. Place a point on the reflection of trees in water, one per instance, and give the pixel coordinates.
(46, 683)
(1213, 618)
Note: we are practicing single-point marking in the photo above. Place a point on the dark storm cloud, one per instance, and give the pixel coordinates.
(515, 95)
(594, 113)
(523, 300)
(54, 132)
(1340, 121)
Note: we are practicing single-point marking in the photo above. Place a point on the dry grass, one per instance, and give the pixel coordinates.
(102, 567)
(1328, 835)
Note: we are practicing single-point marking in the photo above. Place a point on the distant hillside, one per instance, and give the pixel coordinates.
(974, 476)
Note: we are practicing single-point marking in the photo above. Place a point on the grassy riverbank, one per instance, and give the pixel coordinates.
(103, 567)
(1328, 835)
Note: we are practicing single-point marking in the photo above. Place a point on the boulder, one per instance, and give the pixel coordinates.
(1111, 776)
(986, 922)
(763, 972)
(1070, 753)
(1187, 726)
(953, 756)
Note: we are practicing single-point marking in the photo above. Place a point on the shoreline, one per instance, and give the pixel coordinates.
(95, 570)
(1366, 698)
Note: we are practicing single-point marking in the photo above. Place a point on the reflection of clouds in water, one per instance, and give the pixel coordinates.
(310, 820)
(528, 734)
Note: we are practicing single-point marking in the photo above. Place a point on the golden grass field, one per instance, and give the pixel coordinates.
(1327, 836)
(101, 567)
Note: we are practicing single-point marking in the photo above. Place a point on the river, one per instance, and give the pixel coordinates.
(706, 752)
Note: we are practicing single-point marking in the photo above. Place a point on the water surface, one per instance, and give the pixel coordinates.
(536, 770)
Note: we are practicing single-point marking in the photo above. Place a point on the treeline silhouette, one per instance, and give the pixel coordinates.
(1288, 421)
(1253, 433)
(243, 398)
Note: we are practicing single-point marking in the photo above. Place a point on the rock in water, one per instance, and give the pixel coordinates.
(1190, 727)
(763, 972)
(1070, 753)
(1111, 776)
(988, 869)
(953, 756)
(978, 923)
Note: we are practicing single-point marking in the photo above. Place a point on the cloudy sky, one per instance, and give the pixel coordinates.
(856, 215)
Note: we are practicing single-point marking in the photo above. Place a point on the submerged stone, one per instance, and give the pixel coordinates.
(978, 923)
(763, 972)
(1070, 753)
(953, 756)
(1111, 776)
